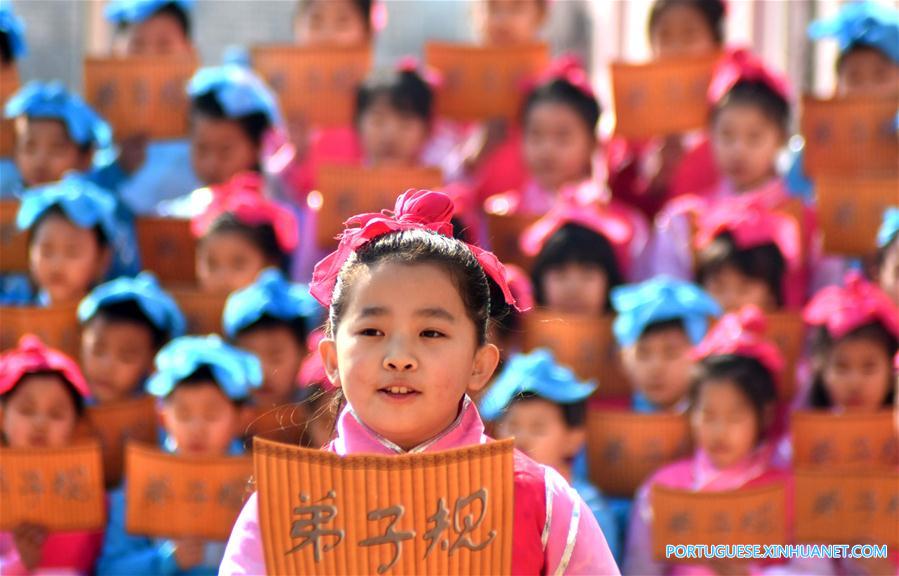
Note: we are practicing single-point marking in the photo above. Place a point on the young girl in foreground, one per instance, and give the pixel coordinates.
(407, 338)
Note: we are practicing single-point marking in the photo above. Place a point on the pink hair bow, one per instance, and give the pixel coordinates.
(751, 225)
(430, 75)
(32, 356)
(243, 197)
(378, 16)
(570, 209)
(842, 309)
(414, 210)
(742, 65)
(520, 285)
(568, 68)
(742, 334)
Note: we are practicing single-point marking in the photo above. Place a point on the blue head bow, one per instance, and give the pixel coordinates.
(12, 26)
(84, 204)
(868, 22)
(659, 300)
(538, 374)
(136, 11)
(51, 100)
(270, 295)
(237, 90)
(889, 227)
(236, 371)
(156, 304)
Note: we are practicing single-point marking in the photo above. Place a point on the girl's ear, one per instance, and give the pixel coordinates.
(485, 362)
(327, 348)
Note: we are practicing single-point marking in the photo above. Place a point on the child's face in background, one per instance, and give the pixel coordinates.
(867, 72)
(732, 290)
(331, 22)
(159, 35)
(576, 288)
(681, 31)
(746, 145)
(725, 424)
(201, 419)
(39, 413)
(44, 152)
(510, 22)
(888, 274)
(228, 261)
(558, 146)
(220, 149)
(658, 366)
(116, 356)
(390, 137)
(540, 431)
(65, 260)
(281, 356)
(406, 352)
(857, 374)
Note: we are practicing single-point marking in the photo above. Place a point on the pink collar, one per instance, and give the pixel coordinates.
(355, 437)
(707, 477)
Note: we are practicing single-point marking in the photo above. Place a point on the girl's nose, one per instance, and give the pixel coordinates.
(398, 359)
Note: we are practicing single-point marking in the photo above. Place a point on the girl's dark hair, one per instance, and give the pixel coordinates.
(102, 240)
(574, 414)
(563, 92)
(253, 125)
(261, 236)
(363, 6)
(297, 328)
(664, 326)
(5, 49)
(822, 346)
(764, 262)
(753, 380)
(574, 244)
(202, 375)
(422, 247)
(172, 10)
(405, 90)
(76, 397)
(756, 93)
(129, 312)
(853, 49)
(712, 12)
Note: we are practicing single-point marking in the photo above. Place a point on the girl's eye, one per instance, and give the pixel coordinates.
(432, 334)
(370, 332)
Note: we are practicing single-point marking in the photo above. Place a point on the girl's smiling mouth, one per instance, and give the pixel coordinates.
(398, 392)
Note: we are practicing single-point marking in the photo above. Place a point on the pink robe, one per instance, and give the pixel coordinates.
(62, 553)
(554, 531)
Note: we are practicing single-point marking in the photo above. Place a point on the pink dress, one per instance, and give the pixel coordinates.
(554, 531)
(62, 553)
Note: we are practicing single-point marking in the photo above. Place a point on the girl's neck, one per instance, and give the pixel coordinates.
(755, 184)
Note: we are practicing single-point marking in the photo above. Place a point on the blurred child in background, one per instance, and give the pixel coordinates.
(13, 47)
(888, 254)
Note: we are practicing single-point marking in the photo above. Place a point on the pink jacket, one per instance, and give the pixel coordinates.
(554, 531)
(62, 553)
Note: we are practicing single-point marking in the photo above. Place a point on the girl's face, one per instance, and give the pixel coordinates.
(201, 419)
(228, 261)
(746, 145)
(66, 260)
(857, 374)
(510, 22)
(558, 146)
(888, 274)
(658, 366)
(725, 424)
(39, 413)
(220, 149)
(281, 356)
(331, 23)
(681, 31)
(868, 72)
(405, 351)
(390, 137)
(116, 356)
(576, 288)
(44, 152)
(732, 290)
(158, 35)
(540, 431)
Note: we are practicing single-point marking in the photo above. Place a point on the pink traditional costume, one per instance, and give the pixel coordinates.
(736, 334)
(553, 531)
(61, 552)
